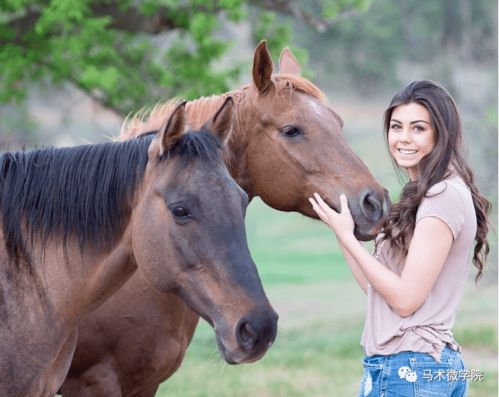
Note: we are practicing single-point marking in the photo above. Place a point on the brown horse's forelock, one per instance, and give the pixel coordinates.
(82, 192)
(294, 82)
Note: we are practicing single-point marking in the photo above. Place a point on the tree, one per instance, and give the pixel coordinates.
(106, 48)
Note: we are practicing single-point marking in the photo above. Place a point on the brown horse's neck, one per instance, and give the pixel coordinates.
(202, 109)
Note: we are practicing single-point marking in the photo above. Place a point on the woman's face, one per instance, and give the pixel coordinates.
(411, 136)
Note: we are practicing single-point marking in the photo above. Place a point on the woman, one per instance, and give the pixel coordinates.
(417, 274)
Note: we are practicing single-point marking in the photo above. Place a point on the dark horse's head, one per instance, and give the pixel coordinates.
(189, 238)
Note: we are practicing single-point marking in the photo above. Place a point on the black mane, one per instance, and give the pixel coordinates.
(82, 192)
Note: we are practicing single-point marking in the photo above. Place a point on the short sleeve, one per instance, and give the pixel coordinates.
(443, 201)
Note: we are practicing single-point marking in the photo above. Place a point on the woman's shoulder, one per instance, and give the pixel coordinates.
(449, 200)
(451, 188)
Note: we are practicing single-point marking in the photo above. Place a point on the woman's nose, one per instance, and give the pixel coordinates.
(405, 136)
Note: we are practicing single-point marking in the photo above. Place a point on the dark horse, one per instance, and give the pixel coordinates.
(77, 222)
(286, 143)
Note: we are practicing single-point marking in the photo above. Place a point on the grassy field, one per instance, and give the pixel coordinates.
(317, 351)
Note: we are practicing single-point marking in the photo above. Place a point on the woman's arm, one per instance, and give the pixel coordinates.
(428, 250)
(354, 268)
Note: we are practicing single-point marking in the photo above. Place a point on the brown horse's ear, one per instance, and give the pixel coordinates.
(170, 132)
(288, 64)
(262, 67)
(220, 124)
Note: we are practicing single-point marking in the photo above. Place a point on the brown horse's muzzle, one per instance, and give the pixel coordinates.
(369, 212)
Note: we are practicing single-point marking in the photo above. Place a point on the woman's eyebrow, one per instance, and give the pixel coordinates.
(419, 121)
(412, 122)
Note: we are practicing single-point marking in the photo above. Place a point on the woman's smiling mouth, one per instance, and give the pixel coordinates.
(407, 151)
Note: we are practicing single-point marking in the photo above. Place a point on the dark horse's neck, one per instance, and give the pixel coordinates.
(82, 192)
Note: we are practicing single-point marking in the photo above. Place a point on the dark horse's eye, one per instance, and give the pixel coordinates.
(180, 212)
(291, 131)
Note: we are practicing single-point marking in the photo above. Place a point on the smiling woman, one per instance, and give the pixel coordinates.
(415, 279)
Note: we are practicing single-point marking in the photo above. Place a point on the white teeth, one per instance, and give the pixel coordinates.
(406, 151)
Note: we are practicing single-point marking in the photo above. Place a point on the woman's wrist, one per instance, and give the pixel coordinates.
(347, 239)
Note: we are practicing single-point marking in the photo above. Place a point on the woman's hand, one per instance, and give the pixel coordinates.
(342, 223)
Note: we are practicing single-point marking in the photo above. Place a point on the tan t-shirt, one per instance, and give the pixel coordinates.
(427, 330)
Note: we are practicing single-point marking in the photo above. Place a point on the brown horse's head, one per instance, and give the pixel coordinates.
(294, 147)
(188, 236)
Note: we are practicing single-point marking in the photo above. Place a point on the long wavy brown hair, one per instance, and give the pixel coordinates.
(447, 154)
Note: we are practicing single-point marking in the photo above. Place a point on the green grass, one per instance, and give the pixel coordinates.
(317, 351)
(289, 248)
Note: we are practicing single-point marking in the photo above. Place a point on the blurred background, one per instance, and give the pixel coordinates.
(71, 71)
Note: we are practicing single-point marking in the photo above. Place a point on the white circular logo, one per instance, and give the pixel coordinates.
(407, 374)
(403, 372)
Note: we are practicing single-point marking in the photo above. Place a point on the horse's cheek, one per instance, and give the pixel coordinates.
(148, 231)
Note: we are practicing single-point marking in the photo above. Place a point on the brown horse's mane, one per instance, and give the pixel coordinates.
(202, 109)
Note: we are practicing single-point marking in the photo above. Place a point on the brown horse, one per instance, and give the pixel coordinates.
(285, 143)
(77, 222)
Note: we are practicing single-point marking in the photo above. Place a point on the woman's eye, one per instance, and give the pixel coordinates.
(418, 128)
(291, 131)
(395, 127)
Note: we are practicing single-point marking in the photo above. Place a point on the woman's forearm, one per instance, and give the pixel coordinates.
(354, 268)
(371, 271)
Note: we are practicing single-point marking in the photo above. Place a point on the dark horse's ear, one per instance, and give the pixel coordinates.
(169, 133)
(288, 63)
(262, 67)
(220, 124)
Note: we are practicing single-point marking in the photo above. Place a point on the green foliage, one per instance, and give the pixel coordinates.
(69, 42)
(277, 34)
(126, 54)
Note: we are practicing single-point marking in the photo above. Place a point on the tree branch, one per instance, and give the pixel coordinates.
(24, 23)
(131, 20)
(287, 7)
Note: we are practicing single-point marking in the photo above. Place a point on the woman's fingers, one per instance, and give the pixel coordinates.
(338, 221)
(325, 207)
(316, 207)
(344, 203)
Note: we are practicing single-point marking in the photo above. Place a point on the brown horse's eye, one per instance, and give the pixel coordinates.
(291, 131)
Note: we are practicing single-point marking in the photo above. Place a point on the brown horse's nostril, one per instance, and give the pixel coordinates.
(371, 206)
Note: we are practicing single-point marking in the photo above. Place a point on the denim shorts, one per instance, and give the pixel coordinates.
(411, 374)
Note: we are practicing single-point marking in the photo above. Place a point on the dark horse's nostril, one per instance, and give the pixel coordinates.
(256, 332)
(371, 206)
(247, 337)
